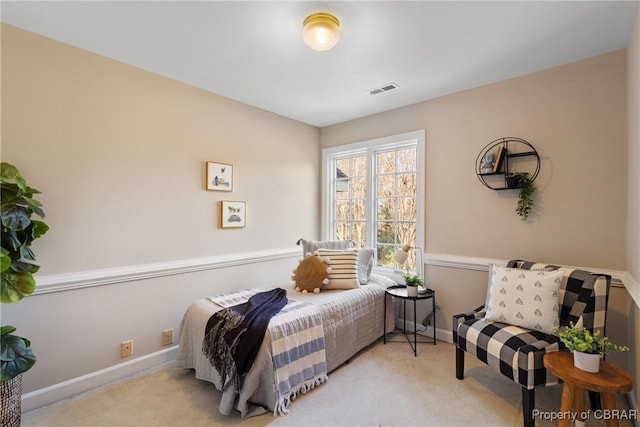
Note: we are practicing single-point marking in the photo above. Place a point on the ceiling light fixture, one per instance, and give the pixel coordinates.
(321, 31)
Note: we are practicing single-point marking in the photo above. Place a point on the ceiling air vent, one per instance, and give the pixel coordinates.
(384, 88)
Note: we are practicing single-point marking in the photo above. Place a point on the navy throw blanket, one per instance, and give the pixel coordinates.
(233, 335)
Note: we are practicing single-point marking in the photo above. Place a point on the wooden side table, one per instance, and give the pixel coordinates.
(609, 381)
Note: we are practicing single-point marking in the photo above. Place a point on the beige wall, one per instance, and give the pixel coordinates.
(633, 130)
(633, 191)
(119, 156)
(575, 116)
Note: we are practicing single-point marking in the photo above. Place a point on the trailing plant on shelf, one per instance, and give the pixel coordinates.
(412, 279)
(527, 188)
(582, 340)
(19, 230)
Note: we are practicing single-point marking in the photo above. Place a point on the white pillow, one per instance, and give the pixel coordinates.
(343, 265)
(486, 303)
(365, 264)
(524, 298)
(311, 246)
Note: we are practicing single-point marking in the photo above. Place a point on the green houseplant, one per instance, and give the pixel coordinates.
(582, 340)
(525, 202)
(19, 230)
(412, 281)
(586, 346)
(522, 181)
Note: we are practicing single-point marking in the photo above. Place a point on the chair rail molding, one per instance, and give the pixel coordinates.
(107, 276)
(618, 277)
(84, 279)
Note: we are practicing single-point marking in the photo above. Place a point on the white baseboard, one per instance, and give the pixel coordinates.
(75, 386)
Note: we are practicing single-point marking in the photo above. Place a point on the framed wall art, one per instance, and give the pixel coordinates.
(233, 214)
(219, 176)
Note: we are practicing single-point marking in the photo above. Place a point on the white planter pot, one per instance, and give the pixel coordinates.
(412, 291)
(586, 361)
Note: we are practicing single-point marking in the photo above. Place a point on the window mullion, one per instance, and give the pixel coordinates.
(371, 199)
(333, 220)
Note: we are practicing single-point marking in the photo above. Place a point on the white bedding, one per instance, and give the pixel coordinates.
(351, 319)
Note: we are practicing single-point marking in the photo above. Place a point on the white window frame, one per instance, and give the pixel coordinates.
(370, 148)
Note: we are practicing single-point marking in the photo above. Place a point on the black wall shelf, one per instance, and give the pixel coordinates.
(512, 149)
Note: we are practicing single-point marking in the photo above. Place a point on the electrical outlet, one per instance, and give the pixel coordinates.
(167, 337)
(126, 348)
(428, 320)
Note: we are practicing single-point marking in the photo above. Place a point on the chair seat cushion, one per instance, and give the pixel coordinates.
(514, 351)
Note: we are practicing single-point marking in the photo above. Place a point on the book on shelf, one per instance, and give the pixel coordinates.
(497, 166)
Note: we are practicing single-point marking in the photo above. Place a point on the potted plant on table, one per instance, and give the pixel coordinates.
(586, 347)
(412, 281)
(19, 230)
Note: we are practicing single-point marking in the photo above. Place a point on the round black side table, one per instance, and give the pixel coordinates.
(400, 291)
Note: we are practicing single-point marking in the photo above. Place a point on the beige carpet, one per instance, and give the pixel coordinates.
(382, 386)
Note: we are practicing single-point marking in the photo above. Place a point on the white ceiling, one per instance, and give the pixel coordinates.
(253, 51)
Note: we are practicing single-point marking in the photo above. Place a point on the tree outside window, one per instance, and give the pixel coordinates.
(377, 202)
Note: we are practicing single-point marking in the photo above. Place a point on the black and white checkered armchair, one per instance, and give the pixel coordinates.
(517, 352)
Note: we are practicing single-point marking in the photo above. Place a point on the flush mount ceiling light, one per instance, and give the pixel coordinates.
(321, 31)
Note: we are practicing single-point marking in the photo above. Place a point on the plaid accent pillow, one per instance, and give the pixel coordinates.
(524, 298)
(343, 273)
(583, 295)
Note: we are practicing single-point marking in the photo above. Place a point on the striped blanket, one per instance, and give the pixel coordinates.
(297, 347)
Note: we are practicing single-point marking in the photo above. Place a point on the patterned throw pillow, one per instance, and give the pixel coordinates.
(344, 268)
(524, 298)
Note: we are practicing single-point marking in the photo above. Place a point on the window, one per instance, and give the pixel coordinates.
(373, 194)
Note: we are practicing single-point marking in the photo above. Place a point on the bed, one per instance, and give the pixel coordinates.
(351, 320)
